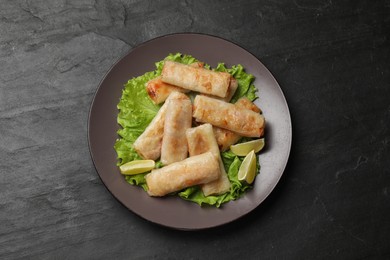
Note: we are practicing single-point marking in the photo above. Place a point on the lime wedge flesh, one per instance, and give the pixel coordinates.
(243, 149)
(247, 171)
(137, 166)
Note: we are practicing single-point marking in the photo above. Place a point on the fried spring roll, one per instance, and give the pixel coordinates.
(192, 171)
(226, 138)
(201, 139)
(148, 144)
(228, 116)
(233, 85)
(196, 79)
(244, 102)
(177, 120)
(158, 90)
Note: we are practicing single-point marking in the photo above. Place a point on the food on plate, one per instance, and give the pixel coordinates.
(196, 79)
(226, 138)
(242, 149)
(158, 90)
(201, 139)
(233, 85)
(152, 126)
(148, 144)
(225, 115)
(247, 171)
(178, 119)
(194, 170)
(137, 166)
(244, 102)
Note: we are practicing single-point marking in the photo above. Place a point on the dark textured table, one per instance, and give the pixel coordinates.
(331, 59)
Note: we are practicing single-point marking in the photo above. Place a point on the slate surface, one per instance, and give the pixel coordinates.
(331, 59)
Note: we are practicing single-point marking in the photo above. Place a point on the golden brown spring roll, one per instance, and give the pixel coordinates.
(228, 116)
(197, 64)
(148, 144)
(226, 138)
(201, 139)
(196, 79)
(192, 171)
(244, 102)
(233, 85)
(178, 119)
(158, 90)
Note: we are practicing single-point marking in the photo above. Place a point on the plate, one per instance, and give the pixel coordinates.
(173, 211)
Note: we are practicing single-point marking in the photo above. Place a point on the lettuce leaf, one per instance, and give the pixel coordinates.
(136, 111)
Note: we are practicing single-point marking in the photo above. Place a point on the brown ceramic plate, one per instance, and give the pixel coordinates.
(173, 211)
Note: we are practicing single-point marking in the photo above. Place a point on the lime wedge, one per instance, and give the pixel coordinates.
(247, 171)
(243, 149)
(137, 166)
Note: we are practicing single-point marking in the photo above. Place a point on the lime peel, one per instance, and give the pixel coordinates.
(136, 167)
(247, 171)
(243, 149)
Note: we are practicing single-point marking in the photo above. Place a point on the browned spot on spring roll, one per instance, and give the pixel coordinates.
(177, 120)
(244, 102)
(228, 116)
(196, 79)
(158, 90)
(192, 171)
(201, 139)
